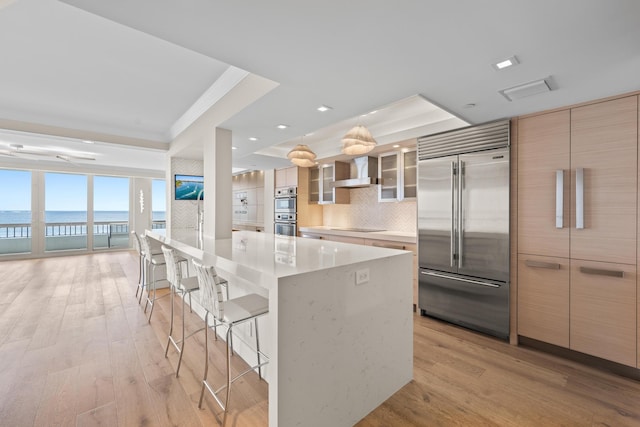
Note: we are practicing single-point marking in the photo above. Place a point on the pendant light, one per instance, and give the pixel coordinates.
(301, 155)
(358, 141)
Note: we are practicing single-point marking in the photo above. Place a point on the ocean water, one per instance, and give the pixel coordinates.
(24, 217)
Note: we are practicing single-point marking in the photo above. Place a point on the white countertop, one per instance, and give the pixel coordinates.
(395, 236)
(256, 256)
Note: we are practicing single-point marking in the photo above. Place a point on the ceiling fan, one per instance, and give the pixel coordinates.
(19, 150)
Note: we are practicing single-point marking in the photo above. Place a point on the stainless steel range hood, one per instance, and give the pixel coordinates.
(364, 172)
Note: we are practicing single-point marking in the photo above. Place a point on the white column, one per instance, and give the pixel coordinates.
(217, 184)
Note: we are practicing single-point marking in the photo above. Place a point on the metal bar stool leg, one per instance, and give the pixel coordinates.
(183, 336)
(229, 379)
(255, 321)
(166, 351)
(206, 358)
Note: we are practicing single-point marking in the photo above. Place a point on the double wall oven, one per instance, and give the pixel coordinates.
(285, 208)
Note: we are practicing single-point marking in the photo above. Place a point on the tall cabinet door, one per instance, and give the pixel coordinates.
(543, 184)
(604, 162)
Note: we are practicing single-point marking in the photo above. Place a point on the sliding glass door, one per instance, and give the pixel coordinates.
(110, 212)
(15, 212)
(65, 211)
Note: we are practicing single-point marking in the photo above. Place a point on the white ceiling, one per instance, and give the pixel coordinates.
(131, 72)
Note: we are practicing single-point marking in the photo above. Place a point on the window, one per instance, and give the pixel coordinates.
(15, 212)
(110, 212)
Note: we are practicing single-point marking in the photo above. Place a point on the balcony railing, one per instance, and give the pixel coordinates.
(106, 233)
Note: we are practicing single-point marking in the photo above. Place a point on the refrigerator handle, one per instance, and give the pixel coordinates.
(579, 198)
(460, 211)
(452, 243)
(559, 198)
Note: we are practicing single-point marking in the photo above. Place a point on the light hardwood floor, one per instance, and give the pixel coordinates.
(76, 349)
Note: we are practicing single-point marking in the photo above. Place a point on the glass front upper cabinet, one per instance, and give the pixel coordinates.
(397, 176)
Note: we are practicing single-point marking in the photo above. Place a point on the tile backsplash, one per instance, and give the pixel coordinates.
(365, 211)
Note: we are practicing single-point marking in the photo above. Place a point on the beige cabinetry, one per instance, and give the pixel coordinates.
(604, 143)
(577, 237)
(603, 310)
(286, 177)
(321, 189)
(397, 176)
(543, 298)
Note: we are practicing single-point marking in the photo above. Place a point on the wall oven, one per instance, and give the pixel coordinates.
(285, 229)
(285, 204)
(285, 207)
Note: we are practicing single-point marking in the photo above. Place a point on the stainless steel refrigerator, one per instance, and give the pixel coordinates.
(463, 227)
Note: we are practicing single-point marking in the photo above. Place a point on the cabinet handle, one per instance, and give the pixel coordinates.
(542, 264)
(579, 198)
(602, 272)
(382, 245)
(559, 198)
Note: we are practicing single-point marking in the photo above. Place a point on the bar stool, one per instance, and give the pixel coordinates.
(152, 260)
(185, 286)
(141, 263)
(227, 313)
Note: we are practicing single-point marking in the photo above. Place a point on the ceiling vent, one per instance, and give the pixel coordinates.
(527, 89)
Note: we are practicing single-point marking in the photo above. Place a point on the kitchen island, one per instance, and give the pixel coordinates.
(339, 333)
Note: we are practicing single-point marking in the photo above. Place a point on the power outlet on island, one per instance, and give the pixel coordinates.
(362, 276)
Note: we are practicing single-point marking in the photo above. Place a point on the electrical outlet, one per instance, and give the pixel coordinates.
(362, 276)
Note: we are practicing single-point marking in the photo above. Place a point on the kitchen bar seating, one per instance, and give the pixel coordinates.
(185, 286)
(141, 263)
(227, 313)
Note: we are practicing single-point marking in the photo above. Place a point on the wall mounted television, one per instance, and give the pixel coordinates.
(187, 187)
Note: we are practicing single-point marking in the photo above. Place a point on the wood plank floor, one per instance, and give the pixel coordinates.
(76, 350)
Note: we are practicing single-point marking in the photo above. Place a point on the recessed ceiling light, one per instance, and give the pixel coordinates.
(253, 138)
(234, 148)
(373, 112)
(506, 63)
(282, 126)
(86, 141)
(324, 108)
(396, 145)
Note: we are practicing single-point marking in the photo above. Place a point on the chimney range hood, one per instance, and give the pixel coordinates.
(364, 172)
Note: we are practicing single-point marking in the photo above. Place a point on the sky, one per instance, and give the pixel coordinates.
(68, 192)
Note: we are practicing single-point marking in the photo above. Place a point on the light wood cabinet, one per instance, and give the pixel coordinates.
(604, 142)
(576, 166)
(286, 177)
(543, 150)
(543, 298)
(603, 310)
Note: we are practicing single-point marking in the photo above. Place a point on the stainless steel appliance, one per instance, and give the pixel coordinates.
(463, 227)
(285, 206)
